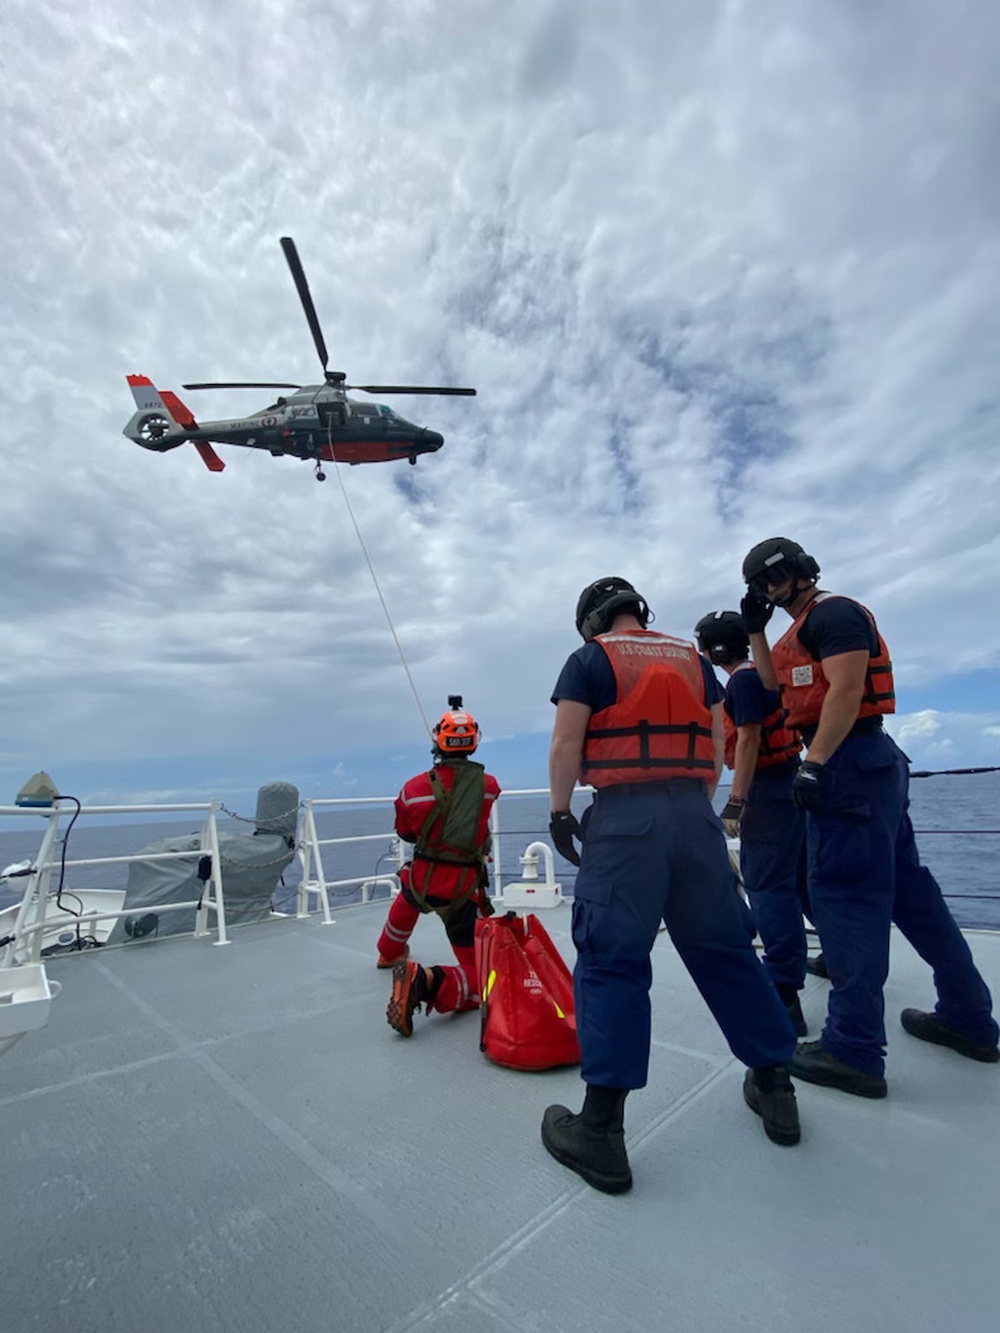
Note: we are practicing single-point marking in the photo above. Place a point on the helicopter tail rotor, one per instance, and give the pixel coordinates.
(162, 422)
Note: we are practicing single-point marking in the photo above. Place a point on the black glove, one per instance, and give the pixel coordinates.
(731, 816)
(756, 612)
(563, 828)
(809, 785)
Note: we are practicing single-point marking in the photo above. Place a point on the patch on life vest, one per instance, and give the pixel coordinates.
(802, 675)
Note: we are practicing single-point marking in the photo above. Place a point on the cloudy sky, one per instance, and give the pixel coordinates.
(719, 270)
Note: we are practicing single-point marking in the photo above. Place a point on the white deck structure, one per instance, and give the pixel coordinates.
(204, 1140)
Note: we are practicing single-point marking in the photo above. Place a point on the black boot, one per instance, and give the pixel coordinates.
(592, 1143)
(813, 1063)
(770, 1094)
(929, 1027)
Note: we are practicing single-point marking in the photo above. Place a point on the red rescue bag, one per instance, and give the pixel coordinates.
(526, 990)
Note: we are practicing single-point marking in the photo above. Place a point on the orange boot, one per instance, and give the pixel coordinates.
(410, 984)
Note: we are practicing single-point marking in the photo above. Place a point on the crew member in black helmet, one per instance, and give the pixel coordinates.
(764, 756)
(836, 682)
(639, 716)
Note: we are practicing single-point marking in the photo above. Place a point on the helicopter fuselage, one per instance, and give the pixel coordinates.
(316, 422)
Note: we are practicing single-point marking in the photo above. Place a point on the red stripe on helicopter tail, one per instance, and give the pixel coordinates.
(144, 393)
(181, 414)
(209, 457)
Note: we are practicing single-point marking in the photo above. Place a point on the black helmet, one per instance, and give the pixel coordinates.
(602, 601)
(722, 637)
(774, 561)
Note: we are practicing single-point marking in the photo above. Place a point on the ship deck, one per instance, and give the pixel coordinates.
(232, 1138)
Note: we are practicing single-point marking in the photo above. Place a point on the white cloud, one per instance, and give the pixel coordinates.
(717, 271)
(919, 727)
(935, 740)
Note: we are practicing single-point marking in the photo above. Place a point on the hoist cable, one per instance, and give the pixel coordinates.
(378, 590)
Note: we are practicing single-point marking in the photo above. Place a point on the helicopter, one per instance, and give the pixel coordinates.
(318, 422)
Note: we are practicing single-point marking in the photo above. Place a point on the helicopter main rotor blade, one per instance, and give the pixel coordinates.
(305, 296)
(242, 384)
(409, 388)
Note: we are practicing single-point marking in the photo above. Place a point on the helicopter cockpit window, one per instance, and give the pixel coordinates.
(333, 414)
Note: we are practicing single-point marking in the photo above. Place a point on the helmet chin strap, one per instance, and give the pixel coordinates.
(783, 603)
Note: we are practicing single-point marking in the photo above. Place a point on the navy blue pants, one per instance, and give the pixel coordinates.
(865, 874)
(772, 862)
(652, 854)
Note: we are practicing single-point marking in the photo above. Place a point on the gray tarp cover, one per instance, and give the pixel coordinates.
(252, 863)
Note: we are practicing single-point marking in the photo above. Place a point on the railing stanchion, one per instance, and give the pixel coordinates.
(33, 893)
(318, 875)
(306, 838)
(218, 895)
(495, 849)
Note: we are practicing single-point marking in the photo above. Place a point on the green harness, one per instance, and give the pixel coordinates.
(455, 844)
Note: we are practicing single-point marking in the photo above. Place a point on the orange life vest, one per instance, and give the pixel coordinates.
(659, 728)
(778, 743)
(803, 685)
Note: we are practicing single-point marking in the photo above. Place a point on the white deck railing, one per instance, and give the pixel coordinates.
(314, 882)
(34, 916)
(30, 923)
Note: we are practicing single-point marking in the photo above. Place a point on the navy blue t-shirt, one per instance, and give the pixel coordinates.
(747, 701)
(589, 678)
(838, 625)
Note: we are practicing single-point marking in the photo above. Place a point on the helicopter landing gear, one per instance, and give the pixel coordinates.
(413, 460)
(320, 474)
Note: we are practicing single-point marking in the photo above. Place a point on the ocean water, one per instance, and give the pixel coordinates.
(957, 821)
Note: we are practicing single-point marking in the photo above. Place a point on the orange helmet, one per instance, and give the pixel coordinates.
(457, 732)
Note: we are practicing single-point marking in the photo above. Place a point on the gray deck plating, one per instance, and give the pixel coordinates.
(234, 1139)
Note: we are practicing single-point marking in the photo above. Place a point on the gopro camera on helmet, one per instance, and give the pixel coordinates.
(458, 731)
